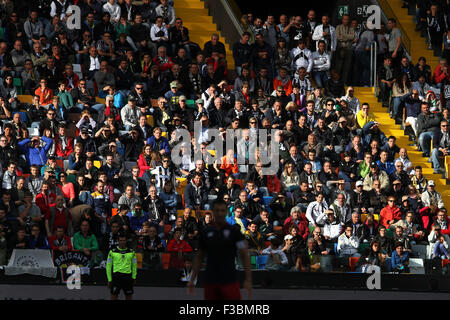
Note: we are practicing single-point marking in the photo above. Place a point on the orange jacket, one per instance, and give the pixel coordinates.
(228, 167)
(388, 214)
(42, 96)
(287, 87)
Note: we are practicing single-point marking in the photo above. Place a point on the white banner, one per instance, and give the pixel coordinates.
(33, 261)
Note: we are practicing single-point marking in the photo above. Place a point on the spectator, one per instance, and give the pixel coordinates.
(348, 244)
(400, 259)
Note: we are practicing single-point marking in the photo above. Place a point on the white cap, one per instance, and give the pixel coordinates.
(359, 183)
(431, 183)
(288, 237)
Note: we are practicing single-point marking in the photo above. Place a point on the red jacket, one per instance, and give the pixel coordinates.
(75, 81)
(69, 148)
(389, 214)
(287, 87)
(273, 184)
(54, 246)
(175, 247)
(165, 66)
(143, 165)
(303, 229)
(439, 76)
(44, 203)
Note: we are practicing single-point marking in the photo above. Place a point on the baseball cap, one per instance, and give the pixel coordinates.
(181, 98)
(48, 169)
(431, 183)
(199, 101)
(132, 98)
(404, 198)
(397, 182)
(84, 130)
(288, 237)
(359, 183)
(174, 84)
(373, 164)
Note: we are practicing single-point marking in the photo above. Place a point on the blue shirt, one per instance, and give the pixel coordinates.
(387, 167)
(135, 221)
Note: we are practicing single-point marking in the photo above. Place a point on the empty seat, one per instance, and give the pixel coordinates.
(129, 165)
(352, 263)
(261, 261)
(33, 131)
(419, 250)
(416, 266)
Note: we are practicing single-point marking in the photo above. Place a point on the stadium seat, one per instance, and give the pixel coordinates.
(167, 228)
(240, 183)
(60, 163)
(419, 250)
(352, 263)
(129, 165)
(139, 259)
(267, 200)
(17, 82)
(33, 131)
(416, 266)
(253, 261)
(122, 132)
(261, 261)
(77, 70)
(445, 262)
(150, 121)
(363, 246)
(165, 260)
(23, 116)
(267, 243)
(278, 230)
(97, 164)
(114, 211)
(190, 104)
(363, 217)
(25, 98)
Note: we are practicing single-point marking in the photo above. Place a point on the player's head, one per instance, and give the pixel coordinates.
(219, 208)
(122, 240)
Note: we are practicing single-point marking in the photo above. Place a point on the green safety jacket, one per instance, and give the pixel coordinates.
(122, 261)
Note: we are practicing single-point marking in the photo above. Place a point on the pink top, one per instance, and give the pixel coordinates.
(68, 190)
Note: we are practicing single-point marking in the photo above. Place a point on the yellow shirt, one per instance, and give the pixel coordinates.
(362, 120)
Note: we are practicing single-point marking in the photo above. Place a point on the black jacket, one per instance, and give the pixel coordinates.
(192, 198)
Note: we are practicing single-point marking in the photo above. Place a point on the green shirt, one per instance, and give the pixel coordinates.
(80, 242)
(121, 260)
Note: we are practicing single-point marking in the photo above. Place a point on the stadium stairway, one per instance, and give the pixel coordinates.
(200, 24)
(413, 41)
(388, 126)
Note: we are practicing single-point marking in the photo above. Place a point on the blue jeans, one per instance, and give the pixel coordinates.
(320, 77)
(396, 101)
(425, 141)
(435, 153)
(97, 106)
(84, 197)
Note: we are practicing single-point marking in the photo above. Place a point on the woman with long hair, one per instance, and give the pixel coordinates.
(145, 160)
(67, 189)
(290, 179)
(245, 76)
(400, 90)
(169, 196)
(9, 92)
(371, 256)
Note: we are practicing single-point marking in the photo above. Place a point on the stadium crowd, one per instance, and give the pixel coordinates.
(78, 170)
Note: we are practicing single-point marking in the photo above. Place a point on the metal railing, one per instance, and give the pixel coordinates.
(373, 65)
(224, 16)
